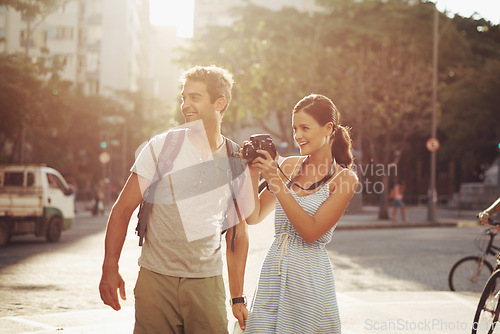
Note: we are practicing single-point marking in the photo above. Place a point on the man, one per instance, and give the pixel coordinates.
(180, 287)
(486, 214)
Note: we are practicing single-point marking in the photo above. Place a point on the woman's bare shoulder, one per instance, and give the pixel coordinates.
(288, 164)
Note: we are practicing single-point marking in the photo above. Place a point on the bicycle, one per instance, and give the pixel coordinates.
(488, 308)
(471, 272)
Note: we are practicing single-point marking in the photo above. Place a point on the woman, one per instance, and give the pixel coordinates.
(296, 290)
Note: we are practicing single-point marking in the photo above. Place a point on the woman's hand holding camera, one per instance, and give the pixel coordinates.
(268, 167)
(262, 157)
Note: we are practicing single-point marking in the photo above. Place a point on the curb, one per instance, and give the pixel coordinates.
(388, 225)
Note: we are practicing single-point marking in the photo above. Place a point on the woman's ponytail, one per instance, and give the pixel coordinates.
(341, 146)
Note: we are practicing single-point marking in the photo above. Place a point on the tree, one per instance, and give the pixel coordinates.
(385, 71)
(273, 56)
(470, 125)
(372, 57)
(20, 89)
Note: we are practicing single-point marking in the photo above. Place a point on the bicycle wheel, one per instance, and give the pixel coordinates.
(486, 317)
(468, 274)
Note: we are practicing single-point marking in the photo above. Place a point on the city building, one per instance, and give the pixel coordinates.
(102, 46)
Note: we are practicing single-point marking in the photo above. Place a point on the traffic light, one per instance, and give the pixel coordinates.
(103, 143)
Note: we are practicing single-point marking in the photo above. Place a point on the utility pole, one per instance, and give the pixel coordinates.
(431, 193)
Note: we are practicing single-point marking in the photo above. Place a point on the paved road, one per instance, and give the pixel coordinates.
(380, 275)
(399, 259)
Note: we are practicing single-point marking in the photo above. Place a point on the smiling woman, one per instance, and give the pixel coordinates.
(173, 13)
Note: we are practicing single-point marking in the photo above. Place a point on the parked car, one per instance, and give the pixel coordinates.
(34, 199)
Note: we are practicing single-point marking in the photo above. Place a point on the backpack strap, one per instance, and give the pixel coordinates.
(237, 167)
(169, 151)
(164, 164)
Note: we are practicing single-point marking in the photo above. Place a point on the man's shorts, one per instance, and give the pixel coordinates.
(398, 203)
(166, 304)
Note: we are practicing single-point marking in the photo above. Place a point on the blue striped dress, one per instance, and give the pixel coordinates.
(296, 289)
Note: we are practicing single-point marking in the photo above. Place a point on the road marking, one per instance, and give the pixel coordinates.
(31, 323)
(349, 298)
(462, 300)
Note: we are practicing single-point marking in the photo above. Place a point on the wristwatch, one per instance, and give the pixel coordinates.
(237, 300)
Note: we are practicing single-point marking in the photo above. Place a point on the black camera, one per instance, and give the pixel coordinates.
(258, 142)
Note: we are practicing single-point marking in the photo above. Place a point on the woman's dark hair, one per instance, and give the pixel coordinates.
(323, 111)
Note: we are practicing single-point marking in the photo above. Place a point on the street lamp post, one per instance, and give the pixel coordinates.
(431, 193)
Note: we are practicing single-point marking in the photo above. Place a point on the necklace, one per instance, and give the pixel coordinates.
(314, 185)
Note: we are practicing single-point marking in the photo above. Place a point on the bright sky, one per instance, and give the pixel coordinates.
(179, 13)
(488, 9)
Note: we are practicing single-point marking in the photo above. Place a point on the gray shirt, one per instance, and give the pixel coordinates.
(183, 236)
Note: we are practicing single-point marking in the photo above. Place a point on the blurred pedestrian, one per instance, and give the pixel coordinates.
(98, 207)
(74, 189)
(296, 289)
(397, 194)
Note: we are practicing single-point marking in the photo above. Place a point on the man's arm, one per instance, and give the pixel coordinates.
(116, 231)
(490, 211)
(236, 262)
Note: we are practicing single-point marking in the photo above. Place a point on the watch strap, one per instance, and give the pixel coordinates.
(238, 300)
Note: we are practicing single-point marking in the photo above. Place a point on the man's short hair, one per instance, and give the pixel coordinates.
(218, 80)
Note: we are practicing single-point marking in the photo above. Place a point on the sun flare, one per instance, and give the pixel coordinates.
(173, 13)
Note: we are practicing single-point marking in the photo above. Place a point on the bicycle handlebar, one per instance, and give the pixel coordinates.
(493, 222)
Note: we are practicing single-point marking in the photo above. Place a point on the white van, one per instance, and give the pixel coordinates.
(34, 199)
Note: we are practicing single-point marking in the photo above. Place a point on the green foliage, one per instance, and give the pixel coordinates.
(470, 120)
(374, 59)
(62, 128)
(32, 8)
(469, 98)
(266, 53)
(20, 87)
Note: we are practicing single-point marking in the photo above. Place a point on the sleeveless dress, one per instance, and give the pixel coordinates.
(296, 289)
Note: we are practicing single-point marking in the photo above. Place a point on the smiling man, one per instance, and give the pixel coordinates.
(180, 287)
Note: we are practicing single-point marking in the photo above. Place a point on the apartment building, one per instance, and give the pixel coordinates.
(101, 45)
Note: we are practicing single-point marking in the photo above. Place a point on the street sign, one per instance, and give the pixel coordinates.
(104, 157)
(432, 144)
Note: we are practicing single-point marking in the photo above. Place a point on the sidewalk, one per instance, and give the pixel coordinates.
(416, 217)
(360, 312)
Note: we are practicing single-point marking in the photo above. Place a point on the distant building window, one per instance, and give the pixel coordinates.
(51, 32)
(2, 32)
(60, 32)
(3, 10)
(68, 8)
(65, 33)
(24, 39)
(63, 59)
